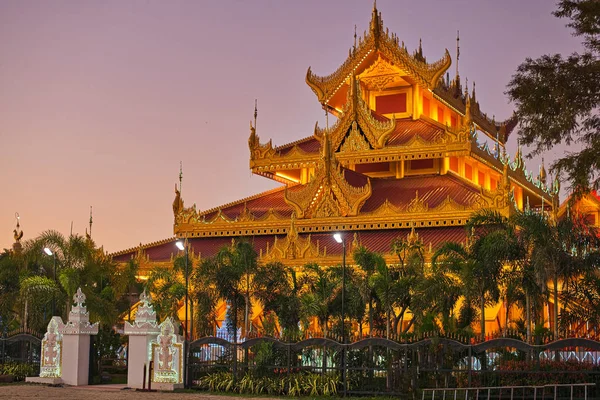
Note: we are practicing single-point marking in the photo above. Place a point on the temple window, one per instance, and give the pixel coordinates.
(468, 172)
(440, 114)
(391, 104)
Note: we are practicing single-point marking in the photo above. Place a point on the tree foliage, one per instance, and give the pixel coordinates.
(557, 98)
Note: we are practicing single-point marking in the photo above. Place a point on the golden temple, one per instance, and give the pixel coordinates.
(410, 150)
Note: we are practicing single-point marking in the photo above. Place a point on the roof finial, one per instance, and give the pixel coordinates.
(18, 235)
(457, 53)
(180, 174)
(91, 221)
(473, 98)
(543, 173)
(255, 112)
(354, 37)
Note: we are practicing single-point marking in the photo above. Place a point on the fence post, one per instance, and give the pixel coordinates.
(289, 366)
(469, 366)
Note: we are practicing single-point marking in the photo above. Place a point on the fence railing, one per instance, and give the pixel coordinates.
(575, 391)
(381, 366)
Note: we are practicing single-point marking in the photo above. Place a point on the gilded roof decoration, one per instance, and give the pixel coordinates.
(328, 194)
(257, 149)
(386, 45)
(357, 111)
(292, 246)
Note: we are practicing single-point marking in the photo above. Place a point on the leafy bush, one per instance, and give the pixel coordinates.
(18, 370)
(296, 384)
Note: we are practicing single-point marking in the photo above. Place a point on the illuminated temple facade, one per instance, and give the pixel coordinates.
(410, 149)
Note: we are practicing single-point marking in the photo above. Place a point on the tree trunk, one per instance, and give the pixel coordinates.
(482, 317)
(247, 301)
(555, 307)
(26, 314)
(387, 325)
(506, 319)
(371, 316)
(528, 315)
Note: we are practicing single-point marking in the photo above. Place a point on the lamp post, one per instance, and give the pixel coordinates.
(51, 253)
(181, 247)
(340, 239)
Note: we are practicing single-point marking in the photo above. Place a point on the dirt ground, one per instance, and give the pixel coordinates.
(100, 392)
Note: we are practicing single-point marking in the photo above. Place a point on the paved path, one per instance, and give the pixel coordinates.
(97, 392)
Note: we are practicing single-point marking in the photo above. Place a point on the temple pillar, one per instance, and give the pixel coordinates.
(400, 169)
(141, 333)
(76, 343)
(444, 165)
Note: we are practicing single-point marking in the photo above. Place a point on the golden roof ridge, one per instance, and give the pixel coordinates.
(142, 246)
(245, 199)
(294, 143)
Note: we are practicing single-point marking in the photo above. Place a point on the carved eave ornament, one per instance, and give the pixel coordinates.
(328, 194)
(388, 46)
(357, 122)
(293, 247)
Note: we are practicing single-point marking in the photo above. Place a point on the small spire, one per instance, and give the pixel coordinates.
(543, 173)
(180, 174)
(473, 98)
(457, 53)
(255, 111)
(355, 38)
(91, 221)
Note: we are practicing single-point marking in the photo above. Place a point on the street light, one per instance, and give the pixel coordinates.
(340, 239)
(181, 247)
(50, 253)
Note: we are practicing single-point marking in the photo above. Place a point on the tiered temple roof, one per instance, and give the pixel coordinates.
(402, 156)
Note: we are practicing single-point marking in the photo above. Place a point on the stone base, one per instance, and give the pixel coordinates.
(167, 387)
(46, 381)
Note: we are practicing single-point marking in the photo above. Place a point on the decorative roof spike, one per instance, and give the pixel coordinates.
(473, 98)
(354, 38)
(542, 176)
(519, 164)
(457, 54)
(468, 116)
(91, 222)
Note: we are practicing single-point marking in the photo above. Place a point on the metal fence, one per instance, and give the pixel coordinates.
(21, 347)
(377, 366)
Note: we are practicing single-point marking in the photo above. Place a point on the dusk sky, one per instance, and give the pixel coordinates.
(101, 100)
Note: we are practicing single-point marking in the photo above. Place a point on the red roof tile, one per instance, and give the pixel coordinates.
(378, 241)
(433, 189)
(309, 145)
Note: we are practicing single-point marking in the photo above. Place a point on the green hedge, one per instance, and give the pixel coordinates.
(296, 384)
(18, 370)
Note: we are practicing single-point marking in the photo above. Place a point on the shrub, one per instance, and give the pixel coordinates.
(296, 384)
(18, 370)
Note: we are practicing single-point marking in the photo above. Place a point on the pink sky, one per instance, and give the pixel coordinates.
(100, 101)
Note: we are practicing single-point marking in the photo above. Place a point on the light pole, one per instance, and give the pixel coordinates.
(340, 239)
(182, 247)
(51, 253)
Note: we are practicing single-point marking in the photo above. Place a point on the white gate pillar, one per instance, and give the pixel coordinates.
(141, 334)
(76, 343)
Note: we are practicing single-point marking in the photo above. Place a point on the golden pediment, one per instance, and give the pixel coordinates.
(292, 247)
(381, 75)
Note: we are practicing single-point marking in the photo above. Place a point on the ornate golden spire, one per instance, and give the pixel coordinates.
(519, 164)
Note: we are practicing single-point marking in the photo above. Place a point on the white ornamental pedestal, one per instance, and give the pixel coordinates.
(76, 343)
(141, 333)
(166, 351)
(51, 360)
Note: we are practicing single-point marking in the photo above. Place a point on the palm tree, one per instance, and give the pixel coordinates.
(367, 262)
(478, 271)
(557, 252)
(389, 289)
(229, 273)
(278, 289)
(318, 300)
(167, 291)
